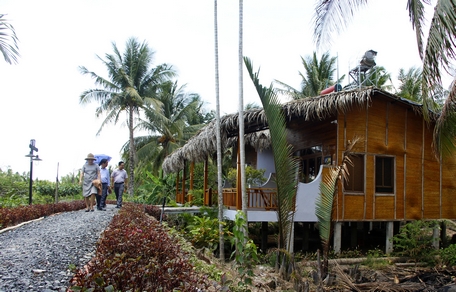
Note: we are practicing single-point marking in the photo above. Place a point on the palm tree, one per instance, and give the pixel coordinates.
(410, 84)
(132, 84)
(324, 205)
(378, 77)
(285, 164)
(241, 116)
(437, 54)
(8, 41)
(168, 124)
(219, 141)
(318, 75)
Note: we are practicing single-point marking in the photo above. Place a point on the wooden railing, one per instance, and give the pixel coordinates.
(259, 198)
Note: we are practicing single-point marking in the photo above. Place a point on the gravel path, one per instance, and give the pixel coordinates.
(37, 256)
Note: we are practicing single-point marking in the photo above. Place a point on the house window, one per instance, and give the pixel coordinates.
(384, 174)
(355, 180)
(311, 160)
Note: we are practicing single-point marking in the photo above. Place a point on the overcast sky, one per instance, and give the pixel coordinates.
(40, 95)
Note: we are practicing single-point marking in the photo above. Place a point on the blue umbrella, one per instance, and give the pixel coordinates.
(99, 157)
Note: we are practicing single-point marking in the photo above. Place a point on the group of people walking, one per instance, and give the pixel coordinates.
(97, 182)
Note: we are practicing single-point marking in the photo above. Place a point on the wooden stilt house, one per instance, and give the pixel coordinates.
(395, 176)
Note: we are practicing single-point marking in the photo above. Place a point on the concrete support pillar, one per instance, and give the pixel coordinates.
(290, 244)
(389, 237)
(435, 236)
(443, 235)
(337, 237)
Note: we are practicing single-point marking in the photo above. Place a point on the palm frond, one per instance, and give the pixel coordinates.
(445, 131)
(324, 204)
(8, 41)
(416, 14)
(332, 15)
(285, 164)
(440, 49)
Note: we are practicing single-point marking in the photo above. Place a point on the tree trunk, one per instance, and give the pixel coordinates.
(219, 143)
(241, 119)
(131, 176)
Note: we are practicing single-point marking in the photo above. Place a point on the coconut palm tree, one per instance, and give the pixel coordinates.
(241, 115)
(410, 84)
(437, 52)
(410, 88)
(167, 124)
(131, 85)
(318, 75)
(378, 77)
(8, 41)
(219, 141)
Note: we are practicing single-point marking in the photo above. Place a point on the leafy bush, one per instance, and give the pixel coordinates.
(153, 189)
(136, 253)
(246, 253)
(254, 177)
(204, 232)
(47, 188)
(448, 255)
(415, 240)
(375, 259)
(13, 185)
(17, 215)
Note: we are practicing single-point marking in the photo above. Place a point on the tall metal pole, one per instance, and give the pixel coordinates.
(32, 157)
(31, 177)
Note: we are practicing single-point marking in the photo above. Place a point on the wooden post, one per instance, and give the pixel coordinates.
(178, 199)
(190, 196)
(207, 194)
(443, 234)
(56, 197)
(184, 194)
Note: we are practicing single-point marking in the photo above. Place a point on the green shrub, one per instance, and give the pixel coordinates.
(204, 232)
(17, 215)
(246, 253)
(13, 185)
(448, 255)
(376, 259)
(415, 240)
(136, 253)
(254, 177)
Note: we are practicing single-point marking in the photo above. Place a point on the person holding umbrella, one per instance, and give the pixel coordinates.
(105, 184)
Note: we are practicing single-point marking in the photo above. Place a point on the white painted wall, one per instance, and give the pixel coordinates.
(265, 160)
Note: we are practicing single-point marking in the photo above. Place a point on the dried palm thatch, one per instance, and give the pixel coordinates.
(260, 140)
(203, 144)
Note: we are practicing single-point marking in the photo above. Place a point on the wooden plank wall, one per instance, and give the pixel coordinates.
(302, 134)
(423, 189)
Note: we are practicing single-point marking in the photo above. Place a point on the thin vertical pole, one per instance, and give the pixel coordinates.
(183, 183)
(31, 178)
(208, 199)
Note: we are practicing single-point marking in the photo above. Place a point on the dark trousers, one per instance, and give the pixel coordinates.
(98, 197)
(104, 195)
(119, 189)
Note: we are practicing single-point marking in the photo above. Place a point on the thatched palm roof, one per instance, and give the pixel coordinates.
(256, 131)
